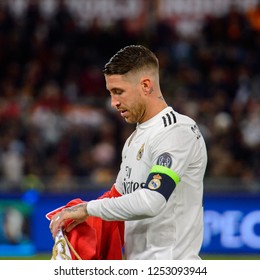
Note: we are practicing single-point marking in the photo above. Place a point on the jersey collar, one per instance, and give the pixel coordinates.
(155, 119)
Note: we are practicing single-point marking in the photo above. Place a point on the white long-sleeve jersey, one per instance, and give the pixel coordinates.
(161, 182)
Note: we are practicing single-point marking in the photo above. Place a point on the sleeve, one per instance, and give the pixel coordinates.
(137, 205)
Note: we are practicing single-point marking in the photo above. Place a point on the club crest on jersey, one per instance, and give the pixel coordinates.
(140, 153)
(155, 183)
(165, 160)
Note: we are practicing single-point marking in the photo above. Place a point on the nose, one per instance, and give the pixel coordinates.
(114, 102)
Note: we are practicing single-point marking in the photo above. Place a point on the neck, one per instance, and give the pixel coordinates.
(155, 106)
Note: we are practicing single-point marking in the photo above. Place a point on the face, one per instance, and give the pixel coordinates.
(127, 97)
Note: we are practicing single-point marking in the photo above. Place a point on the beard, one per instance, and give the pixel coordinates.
(135, 114)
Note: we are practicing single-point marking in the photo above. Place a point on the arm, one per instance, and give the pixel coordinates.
(137, 205)
(141, 204)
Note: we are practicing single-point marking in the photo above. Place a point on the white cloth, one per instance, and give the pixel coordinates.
(156, 228)
(60, 250)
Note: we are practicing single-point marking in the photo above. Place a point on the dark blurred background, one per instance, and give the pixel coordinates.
(58, 134)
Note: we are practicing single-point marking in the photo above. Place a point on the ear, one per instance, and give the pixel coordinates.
(146, 85)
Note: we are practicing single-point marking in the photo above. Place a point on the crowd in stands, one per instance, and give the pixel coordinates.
(57, 130)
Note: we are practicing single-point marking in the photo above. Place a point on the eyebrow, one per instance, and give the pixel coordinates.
(115, 89)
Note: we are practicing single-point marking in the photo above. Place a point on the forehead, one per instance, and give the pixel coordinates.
(116, 81)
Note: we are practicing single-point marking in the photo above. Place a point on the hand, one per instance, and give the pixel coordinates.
(77, 214)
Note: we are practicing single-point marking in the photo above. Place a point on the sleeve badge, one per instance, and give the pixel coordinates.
(155, 183)
(165, 159)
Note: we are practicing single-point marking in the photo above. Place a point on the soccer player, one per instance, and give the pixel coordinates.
(162, 169)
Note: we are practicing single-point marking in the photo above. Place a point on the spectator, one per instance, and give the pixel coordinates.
(54, 100)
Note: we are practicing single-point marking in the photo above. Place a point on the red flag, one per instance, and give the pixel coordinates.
(94, 239)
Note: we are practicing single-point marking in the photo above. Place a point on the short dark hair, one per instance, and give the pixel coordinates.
(133, 57)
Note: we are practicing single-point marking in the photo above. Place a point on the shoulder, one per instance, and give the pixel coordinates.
(173, 119)
(175, 127)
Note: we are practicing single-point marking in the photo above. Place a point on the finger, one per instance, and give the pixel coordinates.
(72, 225)
(55, 229)
(56, 223)
(54, 219)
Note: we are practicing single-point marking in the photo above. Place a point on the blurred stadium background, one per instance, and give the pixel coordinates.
(59, 139)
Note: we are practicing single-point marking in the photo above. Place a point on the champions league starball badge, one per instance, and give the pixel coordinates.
(165, 160)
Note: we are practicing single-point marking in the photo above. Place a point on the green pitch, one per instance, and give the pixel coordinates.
(230, 257)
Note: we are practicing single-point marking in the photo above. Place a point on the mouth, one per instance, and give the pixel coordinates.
(123, 113)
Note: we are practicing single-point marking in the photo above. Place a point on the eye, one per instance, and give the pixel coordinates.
(117, 91)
